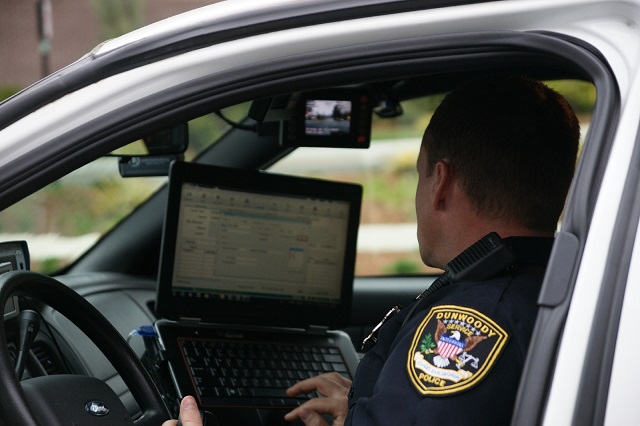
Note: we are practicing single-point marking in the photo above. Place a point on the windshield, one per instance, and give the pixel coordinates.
(64, 219)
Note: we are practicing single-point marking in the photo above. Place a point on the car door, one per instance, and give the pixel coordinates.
(124, 89)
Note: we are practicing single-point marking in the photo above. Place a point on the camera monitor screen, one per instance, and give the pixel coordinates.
(327, 117)
(334, 118)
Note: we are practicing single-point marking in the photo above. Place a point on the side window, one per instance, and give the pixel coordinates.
(387, 242)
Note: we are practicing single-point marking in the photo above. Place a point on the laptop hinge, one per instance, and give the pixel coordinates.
(317, 329)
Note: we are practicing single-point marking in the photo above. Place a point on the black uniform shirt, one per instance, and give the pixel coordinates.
(459, 357)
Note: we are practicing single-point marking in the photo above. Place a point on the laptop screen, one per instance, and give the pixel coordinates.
(247, 247)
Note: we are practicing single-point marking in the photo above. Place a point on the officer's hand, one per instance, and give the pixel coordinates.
(189, 414)
(335, 389)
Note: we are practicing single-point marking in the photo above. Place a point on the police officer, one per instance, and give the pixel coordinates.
(494, 168)
(497, 159)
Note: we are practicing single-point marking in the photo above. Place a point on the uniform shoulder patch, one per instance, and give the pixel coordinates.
(453, 349)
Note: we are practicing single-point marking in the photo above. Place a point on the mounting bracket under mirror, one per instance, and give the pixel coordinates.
(163, 148)
(137, 166)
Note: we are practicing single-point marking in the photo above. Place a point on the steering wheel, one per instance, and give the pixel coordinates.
(73, 399)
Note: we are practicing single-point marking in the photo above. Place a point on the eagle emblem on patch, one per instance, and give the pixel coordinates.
(453, 349)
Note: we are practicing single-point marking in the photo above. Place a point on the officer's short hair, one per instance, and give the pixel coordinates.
(512, 142)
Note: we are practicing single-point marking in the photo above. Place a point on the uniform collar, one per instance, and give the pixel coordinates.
(530, 250)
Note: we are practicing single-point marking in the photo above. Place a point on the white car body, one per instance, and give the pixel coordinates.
(611, 28)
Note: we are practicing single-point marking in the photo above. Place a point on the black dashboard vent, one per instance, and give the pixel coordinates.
(46, 357)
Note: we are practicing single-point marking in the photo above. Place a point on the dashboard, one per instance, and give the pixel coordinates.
(128, 303)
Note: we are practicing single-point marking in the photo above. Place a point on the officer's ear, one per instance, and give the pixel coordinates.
(442, 184)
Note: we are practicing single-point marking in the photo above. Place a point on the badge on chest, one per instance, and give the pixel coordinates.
(453, 349)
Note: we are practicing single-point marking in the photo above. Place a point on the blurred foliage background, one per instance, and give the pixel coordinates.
(93, 199)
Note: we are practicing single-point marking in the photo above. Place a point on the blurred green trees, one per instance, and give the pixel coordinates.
(93, 199)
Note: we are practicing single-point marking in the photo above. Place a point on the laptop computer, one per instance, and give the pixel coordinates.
(254, 263)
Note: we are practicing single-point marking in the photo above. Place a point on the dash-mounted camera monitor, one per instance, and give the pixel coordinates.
(335, 118)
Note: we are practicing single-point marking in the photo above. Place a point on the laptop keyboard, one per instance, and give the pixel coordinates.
(255, 374)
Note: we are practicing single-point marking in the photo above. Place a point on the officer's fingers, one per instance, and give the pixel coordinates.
(309, 418)
(335, 407)
(307, 385)
(333, 385)
(303, 387)
(170, 423)
(327, 384)
(189, 413)
(339, 378)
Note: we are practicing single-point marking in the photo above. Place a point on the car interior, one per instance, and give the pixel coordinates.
(267, 130)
